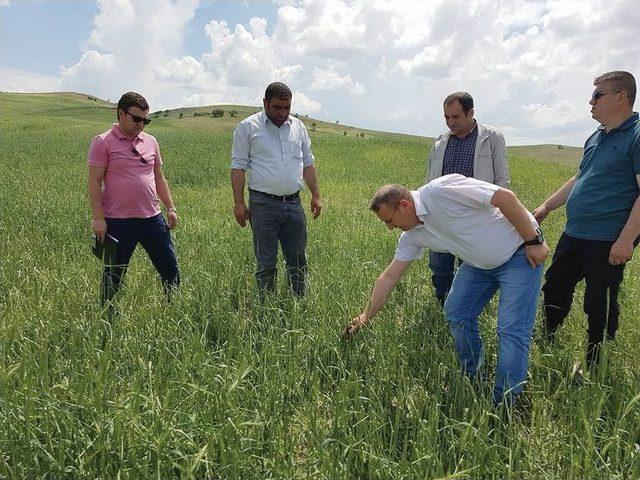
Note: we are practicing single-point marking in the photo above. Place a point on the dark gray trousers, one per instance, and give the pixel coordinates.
(277, 221)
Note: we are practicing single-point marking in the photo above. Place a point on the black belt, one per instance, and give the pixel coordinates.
(281, 198)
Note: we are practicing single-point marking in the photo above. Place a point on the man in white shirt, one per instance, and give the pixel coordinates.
(502, 249)
(275, 150)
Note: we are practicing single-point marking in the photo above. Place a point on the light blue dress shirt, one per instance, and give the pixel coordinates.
(273, 157)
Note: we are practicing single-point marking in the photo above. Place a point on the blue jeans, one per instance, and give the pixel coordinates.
(153, 234)
(472, 288)
(442, 266)
(278, 221)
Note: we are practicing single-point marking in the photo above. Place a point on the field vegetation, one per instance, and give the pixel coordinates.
(215, 386)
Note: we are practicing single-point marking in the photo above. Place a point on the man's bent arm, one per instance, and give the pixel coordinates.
(513, 211)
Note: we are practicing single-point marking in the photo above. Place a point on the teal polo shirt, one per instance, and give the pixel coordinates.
(606, 187)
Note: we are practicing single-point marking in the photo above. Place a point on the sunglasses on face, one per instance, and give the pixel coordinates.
(597, 95)
(140, 157)
(136, 119)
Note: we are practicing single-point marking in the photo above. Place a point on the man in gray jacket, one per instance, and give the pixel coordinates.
(470, 149)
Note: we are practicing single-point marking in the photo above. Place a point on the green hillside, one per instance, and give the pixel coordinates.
(215, 386)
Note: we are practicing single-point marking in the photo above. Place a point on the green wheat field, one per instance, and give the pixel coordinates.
(216, 386)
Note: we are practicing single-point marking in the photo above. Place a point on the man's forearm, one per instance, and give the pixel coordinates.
(560, 197)
(381, 290)
(631, 229)
(95, 201)
(162, 186)
(383, 286)
(311, 179)
(237, 185)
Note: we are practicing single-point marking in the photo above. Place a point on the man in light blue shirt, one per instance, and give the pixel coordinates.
(275, 150)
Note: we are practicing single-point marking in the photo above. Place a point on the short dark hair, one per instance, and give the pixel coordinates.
(389, 195)
(277, 90)
(131, 99)
(463, 98)
(621, 81)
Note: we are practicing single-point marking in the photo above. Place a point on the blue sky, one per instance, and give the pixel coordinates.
(382, 64)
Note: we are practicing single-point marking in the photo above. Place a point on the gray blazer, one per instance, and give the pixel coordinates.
(489, 161)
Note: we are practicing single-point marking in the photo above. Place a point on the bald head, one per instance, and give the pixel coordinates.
(389, 195)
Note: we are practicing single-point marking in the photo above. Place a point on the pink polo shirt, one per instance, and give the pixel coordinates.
(129, 185)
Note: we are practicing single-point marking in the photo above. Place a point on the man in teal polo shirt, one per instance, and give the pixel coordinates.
(603, 216)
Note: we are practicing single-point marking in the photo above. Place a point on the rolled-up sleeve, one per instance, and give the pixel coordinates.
(240, 149)
(307, 154)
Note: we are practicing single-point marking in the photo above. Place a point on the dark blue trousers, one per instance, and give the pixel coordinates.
(153, 234)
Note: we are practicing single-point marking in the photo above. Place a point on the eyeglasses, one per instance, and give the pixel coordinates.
(597, 94)
(140, 157)
(136, 119)
(388, 222)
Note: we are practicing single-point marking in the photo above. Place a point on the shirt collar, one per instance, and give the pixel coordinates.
(421, 209)
(120, 134)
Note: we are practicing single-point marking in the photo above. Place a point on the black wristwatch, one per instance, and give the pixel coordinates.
(537, 240)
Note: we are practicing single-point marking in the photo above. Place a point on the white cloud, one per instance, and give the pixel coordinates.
(12, 80)
(528, 63)
(186, 70)
(330, 79)
(304, 104)
(123, 53)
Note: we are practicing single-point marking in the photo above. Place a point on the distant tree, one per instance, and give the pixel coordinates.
(337, 121)
(166, 111)
(217, 113)
(345, 133)
(233, 113)
(560, 147)
(297, 115)
(313, 127)
(362, 134)
(181, 115)
(165, 115)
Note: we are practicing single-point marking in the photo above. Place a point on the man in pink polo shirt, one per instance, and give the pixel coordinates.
(126, 185)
